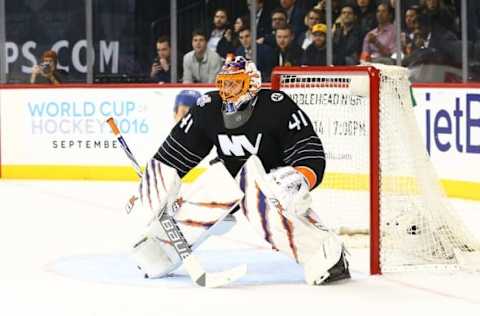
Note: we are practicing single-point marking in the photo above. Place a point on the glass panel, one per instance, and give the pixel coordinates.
(34, 27)
(119, 38)
(473, 15)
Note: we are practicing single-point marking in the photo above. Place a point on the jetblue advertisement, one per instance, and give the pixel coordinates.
(450, 122)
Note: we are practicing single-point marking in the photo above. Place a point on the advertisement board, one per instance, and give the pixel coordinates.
(62, 133)
(449, 119)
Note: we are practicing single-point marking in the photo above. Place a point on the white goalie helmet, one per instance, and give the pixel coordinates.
(238, 82)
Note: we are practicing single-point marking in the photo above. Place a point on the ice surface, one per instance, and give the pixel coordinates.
(64, 251)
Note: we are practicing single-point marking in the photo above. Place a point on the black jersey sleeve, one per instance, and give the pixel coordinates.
(187, 144)
(301, 146)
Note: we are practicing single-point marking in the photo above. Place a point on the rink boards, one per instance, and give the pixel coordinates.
(60, 133)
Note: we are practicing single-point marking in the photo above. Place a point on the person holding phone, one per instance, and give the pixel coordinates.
(160, 71)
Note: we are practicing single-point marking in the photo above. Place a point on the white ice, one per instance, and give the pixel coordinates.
(64, 252)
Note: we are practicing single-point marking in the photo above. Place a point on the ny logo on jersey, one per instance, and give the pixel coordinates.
(236, 145)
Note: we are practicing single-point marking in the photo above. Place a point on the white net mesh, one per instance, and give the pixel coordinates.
(418, 227)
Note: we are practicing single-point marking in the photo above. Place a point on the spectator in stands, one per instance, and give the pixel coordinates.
(230, 42)
(295, 15)
(279, 20)
(367, 20)
(220, 21)
(433, 44)
(287, 52)
(201, 64)
(313, 17)
(47, 72)
(347, 37)
(336, 7)
(316, 53)
(160, 71)
(184, 100)
(264, 54)
(406, 37)
(379, 44)
(441, 14)
(263, 19)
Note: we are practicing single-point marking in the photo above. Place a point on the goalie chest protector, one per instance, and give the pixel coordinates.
(278, 132)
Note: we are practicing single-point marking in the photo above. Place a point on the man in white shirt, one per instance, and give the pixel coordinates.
(200, 65)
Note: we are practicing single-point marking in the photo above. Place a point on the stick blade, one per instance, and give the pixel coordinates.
(212, 279)
(219, 279)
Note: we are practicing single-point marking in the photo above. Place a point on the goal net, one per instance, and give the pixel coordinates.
(379, 178)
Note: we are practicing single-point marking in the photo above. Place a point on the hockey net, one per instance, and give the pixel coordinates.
(379, 179)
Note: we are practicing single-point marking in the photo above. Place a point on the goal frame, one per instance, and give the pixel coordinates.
(374, 129)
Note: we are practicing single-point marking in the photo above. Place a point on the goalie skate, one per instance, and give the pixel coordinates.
(338, 272)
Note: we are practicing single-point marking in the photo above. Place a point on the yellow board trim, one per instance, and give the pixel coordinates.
(453, 188)
(73, 172)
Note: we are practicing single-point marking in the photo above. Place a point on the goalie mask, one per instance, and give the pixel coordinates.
(238, 82)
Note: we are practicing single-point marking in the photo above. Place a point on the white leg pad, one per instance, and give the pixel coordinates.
(300, 236)
(316, 267)
(153, 253)
(159, 185)
(209, 198)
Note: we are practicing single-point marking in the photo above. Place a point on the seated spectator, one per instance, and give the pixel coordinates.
(379, 44)
(406, 37)
(229, 42)
(440, 13)
(160, 71)
(295, 15)
(220, 21)
(336, 8)
(264, 54)
(279, 20)
(316, 52)
(287, 52)
(347, 37)
(366, 16)
(433, 44)
(313, 17)
(184, 100)
(46, 71)
(201, 64)
(263, 19)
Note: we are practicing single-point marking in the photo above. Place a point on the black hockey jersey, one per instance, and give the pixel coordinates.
(278, 132)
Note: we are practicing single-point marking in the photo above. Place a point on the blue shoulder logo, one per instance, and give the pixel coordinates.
(204, 99)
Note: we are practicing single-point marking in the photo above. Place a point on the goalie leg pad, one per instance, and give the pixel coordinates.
(154, 254)
(159, 185)
(200, 205)
(294, 233)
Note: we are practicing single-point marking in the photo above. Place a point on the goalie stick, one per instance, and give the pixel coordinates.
(191, 263)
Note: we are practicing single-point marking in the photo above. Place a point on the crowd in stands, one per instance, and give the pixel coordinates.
(294, 34)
